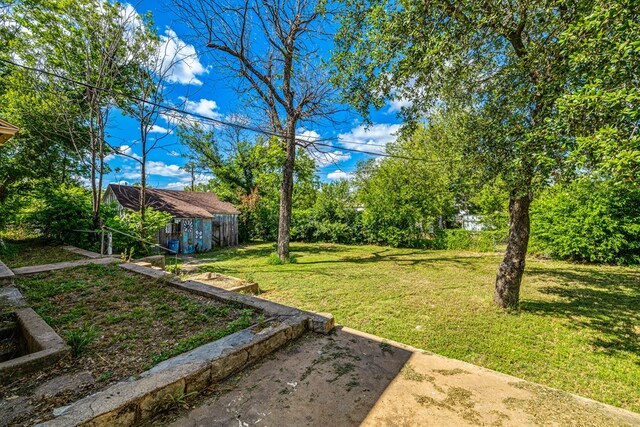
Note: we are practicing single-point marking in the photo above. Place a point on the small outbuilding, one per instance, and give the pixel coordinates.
(200, 220)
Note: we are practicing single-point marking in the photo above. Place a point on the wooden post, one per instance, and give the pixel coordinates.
(109, 243)
(102, 243)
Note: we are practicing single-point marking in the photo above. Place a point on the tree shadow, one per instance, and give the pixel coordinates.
(605, 302)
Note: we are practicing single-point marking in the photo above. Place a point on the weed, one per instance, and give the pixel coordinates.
(173, 401)
(127, 255)
(79, 339)
(105, 376)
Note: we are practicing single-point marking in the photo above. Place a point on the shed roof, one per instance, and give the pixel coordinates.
(7, 130)
(180, 204)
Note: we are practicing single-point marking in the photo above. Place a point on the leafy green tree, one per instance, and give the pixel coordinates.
(404, 198)
(249, 175)
(602, 104)
(86, 41)
(334, 216)
(59, 213)
(501, 63)
(132, 224)
(40, 154)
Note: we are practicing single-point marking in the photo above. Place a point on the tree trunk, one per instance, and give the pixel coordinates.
(286, 195)
(143, 192)
(510, 272)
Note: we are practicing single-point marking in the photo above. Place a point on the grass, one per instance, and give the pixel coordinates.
(33, 251)
(578, 327)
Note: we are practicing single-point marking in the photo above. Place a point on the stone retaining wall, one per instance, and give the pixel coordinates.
(44, 345)
(129, 403)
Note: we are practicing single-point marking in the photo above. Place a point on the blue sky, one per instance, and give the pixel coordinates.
(197, 87)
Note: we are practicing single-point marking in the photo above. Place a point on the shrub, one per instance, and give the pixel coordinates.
(59, 212)
(460, 239)
(588, 220)
(129, 222)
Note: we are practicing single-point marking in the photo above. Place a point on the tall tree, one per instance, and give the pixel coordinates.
(499, 61)
(148, 77)
(271, 48)
(85, 41)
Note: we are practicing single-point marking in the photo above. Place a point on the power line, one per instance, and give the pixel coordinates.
(222, 122)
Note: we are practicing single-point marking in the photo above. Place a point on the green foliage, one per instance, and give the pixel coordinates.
(59, 213)
(130, 223)
(400, 208)
(588, 220)
(460, 239)
(602, 104)
(249, 175)
(80, 339)
(334, 216)
(274, 259)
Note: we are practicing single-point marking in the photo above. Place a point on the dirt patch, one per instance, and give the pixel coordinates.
(118, 324)
(447, 372)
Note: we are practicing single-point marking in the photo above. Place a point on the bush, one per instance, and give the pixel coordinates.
(59, 212)
(588, 220)
(460, 239)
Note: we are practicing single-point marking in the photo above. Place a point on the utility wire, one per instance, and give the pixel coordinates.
(224, 122)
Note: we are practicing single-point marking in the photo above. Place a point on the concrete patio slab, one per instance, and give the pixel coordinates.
(350, 378)
(83, 252)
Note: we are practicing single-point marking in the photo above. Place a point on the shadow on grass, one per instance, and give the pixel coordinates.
(605, 302)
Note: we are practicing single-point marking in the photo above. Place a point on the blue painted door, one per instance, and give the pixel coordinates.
(187, 236)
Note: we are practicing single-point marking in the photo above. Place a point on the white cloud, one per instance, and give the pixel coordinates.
(330, 158)
(123, 150)
(322, 156)
(173, 153)
(338, 175)
(307, 135)
(163, 169)
(179, 61)
(131, 174)
(204, 107)
(157, 168)
(159, 129)
(373, 138)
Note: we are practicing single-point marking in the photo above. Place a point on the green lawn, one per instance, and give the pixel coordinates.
(578, 328)
(21, 253)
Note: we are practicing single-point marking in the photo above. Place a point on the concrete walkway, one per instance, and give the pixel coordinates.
(35, 269)
(350, 378)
